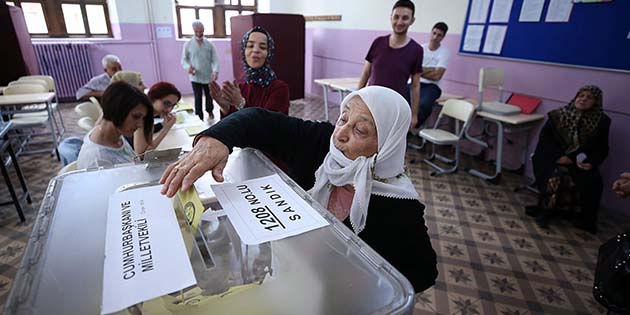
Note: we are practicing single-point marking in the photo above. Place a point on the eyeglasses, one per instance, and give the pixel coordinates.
(168, 104)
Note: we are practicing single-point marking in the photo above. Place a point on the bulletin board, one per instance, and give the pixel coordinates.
(582, 33)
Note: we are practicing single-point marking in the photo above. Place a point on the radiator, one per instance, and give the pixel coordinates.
(68, 63)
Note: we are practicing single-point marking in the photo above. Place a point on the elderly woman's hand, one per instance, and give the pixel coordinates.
(207, 154)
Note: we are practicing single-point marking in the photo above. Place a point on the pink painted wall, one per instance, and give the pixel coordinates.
(341, 53)
(157, 59)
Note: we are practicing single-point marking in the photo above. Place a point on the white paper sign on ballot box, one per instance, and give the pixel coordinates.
(145, 253)
(266, 209)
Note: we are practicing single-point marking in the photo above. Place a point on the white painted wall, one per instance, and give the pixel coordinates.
(374, 14)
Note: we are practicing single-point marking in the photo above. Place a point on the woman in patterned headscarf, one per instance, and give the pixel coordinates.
(572, 145)
(262, 88)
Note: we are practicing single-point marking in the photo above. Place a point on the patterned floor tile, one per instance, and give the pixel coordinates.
(523, 243)
(479, 218)
(485, 237)
(577, 275)
(592, 306)
(490, 253)
(504, 285)
(505, 208)
(454, 250)
(535, 267)
(425, 301)
(443, 199)
(503, 309)
(450, 230)
(463, 305)
(472, 203)
(494, 258)
(552, 296)
(460, 276)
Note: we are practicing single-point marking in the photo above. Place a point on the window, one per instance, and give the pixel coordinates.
(65, 18)
(214, 14)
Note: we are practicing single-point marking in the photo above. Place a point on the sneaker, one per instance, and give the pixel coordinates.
(210, 116)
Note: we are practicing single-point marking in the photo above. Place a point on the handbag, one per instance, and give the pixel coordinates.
(561, 193)
(612, 274)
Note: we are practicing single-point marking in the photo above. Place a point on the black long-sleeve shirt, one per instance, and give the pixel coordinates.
(395, 228)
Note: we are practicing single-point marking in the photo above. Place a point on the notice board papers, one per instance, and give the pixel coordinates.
(145, 254)
(531, 10)
(266, 209)
(472, 41)
(559, 11)
(494, 39)
(501, 11)
(479, 11)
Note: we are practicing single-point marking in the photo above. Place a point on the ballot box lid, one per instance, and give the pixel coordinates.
(325, 271)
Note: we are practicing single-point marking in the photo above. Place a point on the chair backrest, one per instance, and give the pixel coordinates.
(89, 109)
(72, 166)
(460, 110)
(490, 77)
(95, 101)
(50, 82)
(86, 123)
(26, 88)
(34, 81)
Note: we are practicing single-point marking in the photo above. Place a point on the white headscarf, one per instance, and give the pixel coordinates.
(383, 173)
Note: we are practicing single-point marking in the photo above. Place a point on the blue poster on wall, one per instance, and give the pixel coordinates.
(583, 33)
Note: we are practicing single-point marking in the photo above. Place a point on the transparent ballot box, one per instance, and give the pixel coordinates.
(324, 271)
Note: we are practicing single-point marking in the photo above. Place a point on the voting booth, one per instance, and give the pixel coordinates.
(328, 270)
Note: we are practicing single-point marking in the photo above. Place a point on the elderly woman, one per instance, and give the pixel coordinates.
(164, 96)
(132, 77)
(262, 88)
(571, 146)
(125, 109)
(355, 169)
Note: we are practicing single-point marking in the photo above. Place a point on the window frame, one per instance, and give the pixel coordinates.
(218, 16)
(56, 24)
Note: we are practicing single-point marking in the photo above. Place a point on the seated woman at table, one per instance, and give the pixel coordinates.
(571, 146)
(164, 96)
(125, 109)
(262, 88)
(355, 169)
(132, 77)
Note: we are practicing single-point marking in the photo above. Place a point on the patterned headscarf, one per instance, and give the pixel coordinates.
(574, 126)
(263, 75)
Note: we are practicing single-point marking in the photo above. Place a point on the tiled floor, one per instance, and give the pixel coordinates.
(492, 258)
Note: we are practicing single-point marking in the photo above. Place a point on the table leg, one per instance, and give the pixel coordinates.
(325, 101)
(14, 197)
(496, 177)
(18, 171)
(53, 131)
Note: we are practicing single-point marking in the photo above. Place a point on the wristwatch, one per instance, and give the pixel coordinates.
(241, 105)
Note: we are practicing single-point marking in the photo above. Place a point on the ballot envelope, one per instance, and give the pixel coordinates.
(324, 271)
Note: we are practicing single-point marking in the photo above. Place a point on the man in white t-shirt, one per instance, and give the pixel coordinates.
(434, 65)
